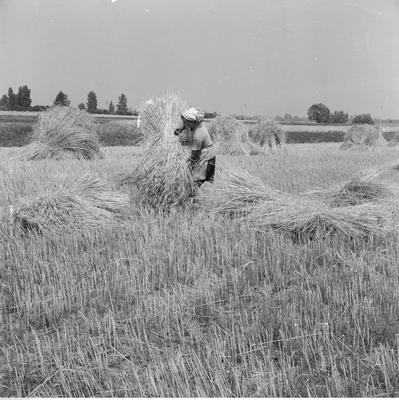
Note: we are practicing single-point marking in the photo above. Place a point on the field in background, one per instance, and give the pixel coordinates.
(31, 117)
(20, 116)
(16, 128)
(183, 305)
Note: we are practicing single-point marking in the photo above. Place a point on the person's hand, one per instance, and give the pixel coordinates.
(178, 131)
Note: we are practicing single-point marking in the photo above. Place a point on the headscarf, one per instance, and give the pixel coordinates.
(193, 114)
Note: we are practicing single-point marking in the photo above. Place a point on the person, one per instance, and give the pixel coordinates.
(202, 160)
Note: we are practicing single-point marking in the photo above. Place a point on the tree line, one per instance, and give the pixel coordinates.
(320, 113)
(21, 101)
(16, 101)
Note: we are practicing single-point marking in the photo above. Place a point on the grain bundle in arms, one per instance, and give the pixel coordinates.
(194, 134)
(63, 132)
(162, 179)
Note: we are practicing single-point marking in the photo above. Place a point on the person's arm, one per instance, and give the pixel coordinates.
(195, 150)
(194, 157)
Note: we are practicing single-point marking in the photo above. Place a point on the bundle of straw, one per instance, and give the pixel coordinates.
(359, 191)
(235, 194)
(230, 135)
(86, 202)
(358, 148)
(300, 217)
(255, 149)
(63, 132)
(162, 178)
(268, 133)
(312, 220)
(160, 117)
(96, 192)
(363, 137)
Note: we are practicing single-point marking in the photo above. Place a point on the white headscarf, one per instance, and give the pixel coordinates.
(193, 114)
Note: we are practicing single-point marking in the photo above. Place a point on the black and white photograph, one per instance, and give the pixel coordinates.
(199, 198)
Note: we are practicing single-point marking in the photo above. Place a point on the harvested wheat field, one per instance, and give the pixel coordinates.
(199, 199)
(281, 281)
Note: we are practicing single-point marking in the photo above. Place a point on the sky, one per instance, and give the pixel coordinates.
(231, 56)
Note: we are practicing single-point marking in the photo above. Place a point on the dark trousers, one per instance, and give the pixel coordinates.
(210, 172)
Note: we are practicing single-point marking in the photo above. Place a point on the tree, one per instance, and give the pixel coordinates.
(338, 117)
(319, 113)
(121, 107)
(61, 99)
(82, 106)
(40, 108)
(111, 108)
(23, 97)
(363, 119)
(91, 102)
(12, 99)
(4, 101)
(210, 115)
(287, 117)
